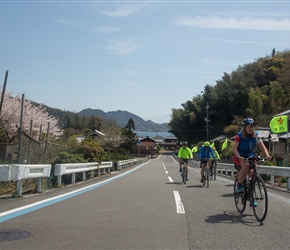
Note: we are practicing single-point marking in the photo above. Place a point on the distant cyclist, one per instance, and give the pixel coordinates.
(205, 154)
(214, 158)
(184, 155)
(244, 145)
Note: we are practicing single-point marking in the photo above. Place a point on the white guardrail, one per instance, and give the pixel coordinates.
(127, 163)
(20, 172)
(73, 168)
(229, 170)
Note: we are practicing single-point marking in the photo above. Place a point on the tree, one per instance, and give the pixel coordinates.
(128, 136)
(112, 133)
(130, 125)
(259, 89)
(95, 122)
(10, 119)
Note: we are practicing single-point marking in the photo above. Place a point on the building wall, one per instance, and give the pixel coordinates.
(278, 148)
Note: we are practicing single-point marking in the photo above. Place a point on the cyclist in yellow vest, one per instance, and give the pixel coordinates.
(184, 155)
(214, 158)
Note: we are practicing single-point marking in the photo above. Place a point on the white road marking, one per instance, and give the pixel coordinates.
(166, 172)
(178, 202)
(170, 179)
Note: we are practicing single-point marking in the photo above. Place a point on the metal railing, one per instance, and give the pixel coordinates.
(126, 163)
(73, 168)
(20, 172)
(273, 171)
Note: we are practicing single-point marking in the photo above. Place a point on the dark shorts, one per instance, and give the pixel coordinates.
(184, 160)
(203, 161)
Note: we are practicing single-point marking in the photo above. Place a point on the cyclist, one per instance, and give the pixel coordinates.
(243, 147)
(205, 155)
(184, 154)
(214, 159)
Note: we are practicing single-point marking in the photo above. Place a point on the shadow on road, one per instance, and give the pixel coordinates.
(231, 217)
(228, 195)
(196, 186)
(176, 182)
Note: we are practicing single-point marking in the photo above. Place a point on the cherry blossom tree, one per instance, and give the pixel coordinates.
(10, 119)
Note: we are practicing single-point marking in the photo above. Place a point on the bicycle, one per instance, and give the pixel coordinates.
(254, 190)
(206, 174)
(214, 169)
(183, 171)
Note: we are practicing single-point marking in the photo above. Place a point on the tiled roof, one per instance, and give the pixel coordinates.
(285, 136)
(264, 133)
(283, 113)
(219, 138)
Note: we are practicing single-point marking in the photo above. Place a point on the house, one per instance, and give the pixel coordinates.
(271, 141)
(7, 152)
(92, 134)
(170, 143)
(146, 146)
(95, 133)
(220, 138)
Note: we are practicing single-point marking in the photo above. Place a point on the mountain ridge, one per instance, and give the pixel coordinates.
(122, 118)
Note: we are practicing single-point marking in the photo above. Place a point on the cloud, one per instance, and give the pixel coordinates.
(62, 21)
(121, 12)
(244, 23)
(197, 73)
(121, 47)
(248, 42)
(213, 62)
(130, 83)
(106, 29)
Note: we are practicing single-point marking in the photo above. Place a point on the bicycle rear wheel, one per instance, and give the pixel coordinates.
(260, 195)
(240, 200)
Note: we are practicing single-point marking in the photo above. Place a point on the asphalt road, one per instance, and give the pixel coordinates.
(144, 207)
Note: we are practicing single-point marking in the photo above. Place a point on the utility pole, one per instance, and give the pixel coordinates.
(207, 131)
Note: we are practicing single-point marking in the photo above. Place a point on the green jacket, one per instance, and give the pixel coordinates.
(185, 153)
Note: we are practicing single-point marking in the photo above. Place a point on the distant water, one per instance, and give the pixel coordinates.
(153, 134)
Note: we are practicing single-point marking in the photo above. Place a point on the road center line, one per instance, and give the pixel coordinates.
(178, 202)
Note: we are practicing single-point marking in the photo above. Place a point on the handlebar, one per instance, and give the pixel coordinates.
(257, 158)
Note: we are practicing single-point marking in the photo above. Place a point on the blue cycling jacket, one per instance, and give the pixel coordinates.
(206, 153)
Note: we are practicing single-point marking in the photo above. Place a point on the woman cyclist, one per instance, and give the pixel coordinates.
(243, 147)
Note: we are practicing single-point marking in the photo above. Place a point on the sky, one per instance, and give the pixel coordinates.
(144, 57)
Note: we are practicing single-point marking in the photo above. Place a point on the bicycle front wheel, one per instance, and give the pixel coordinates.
(240, 200)
(207, 176)
(184, 175)
(204, 176)
(260, 207)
